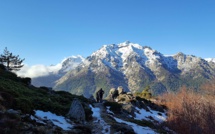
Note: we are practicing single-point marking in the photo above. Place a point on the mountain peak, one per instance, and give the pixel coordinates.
(123, 50)
(130, 45)
(117, 49)
(180, 54)
(71, 62)
(126, 42)
(118, 56)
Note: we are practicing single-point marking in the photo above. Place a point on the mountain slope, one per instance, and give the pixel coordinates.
(134, 67)
(52, 76)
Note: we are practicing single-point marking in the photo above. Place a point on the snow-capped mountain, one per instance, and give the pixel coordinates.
(52, 75)
(70, 63)
(133, 66)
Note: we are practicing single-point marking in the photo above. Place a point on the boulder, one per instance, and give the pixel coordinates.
(125, 98)
(112, 90)
(113, 93)
(77, 111)
(120, 90)
(129, 93)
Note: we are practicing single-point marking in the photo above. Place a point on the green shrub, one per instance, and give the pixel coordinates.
(26, 81)
(146, 93)
(19, 96)
(24, 105)
(6, 99)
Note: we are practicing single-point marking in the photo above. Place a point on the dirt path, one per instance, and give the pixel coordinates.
(100, 126)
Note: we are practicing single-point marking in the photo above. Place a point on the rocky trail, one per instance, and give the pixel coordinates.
(100, 126)
(104, 122)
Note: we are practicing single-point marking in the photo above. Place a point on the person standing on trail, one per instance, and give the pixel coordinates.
(97, 96)
(101, 94)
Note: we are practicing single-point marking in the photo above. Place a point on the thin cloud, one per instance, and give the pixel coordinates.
(38, 70)
(42, 70)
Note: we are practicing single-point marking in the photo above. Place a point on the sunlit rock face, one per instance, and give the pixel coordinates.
(134, 67)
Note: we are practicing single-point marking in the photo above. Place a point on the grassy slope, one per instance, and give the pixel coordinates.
(17, 95)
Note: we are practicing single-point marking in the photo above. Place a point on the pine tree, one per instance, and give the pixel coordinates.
(11, 62)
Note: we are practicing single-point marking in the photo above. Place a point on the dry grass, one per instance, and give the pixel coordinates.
(191, 112)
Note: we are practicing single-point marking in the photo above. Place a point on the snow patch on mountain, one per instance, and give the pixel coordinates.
(134, 66)
(120, 56)
(71, 62)
(59, 121)
(116, 56)
(143, 114)
(137, 128)
(186, 62)
(130, 54)
(97, 115)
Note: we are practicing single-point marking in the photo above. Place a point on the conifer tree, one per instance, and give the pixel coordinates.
(10, 61)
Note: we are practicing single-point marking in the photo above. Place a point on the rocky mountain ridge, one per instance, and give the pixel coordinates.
(135, 67)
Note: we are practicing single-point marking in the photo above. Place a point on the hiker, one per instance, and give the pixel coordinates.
(99, 95)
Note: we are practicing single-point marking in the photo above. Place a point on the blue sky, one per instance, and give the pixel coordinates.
(47, 31)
